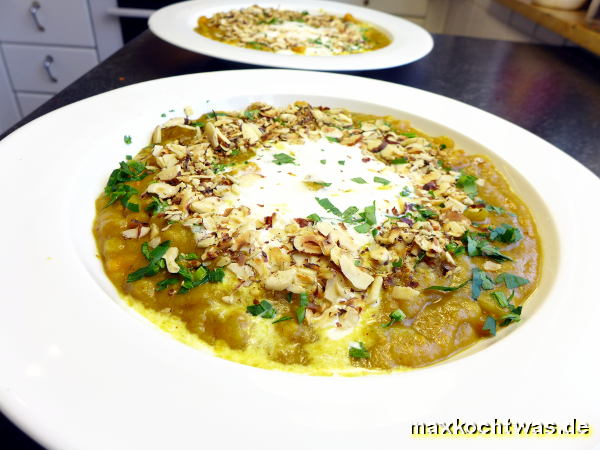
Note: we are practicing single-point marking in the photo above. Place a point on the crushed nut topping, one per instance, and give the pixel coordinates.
(204, 164)
(285, 31)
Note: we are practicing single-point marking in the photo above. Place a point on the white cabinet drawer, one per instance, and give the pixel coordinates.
(415, 8)
(30, 102)
(65, 22)
(26, 66)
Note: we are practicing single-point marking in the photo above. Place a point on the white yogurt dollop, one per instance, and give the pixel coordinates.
(356, 179)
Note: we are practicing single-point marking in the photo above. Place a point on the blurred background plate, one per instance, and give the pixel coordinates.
(409, 42)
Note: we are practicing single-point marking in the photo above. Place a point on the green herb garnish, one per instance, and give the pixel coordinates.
(282, 158)
(405, 191)
(264, 309)
(116, 189)
(505, 233)
(362, 228)
(332, 139)
(127, 139)
(381, 181)
(314, 217)
(328, 206)
(513, 316)
(358, 351)
(396, 316)
(455, 249)
(447, 288)
(399, 161)
(282, 319)
(359, 180)
(301, 310)
(490, 325)
(480, 281)
(156, 263)
(479, 246)
(165, 283)
(468, 184)
(511, 281)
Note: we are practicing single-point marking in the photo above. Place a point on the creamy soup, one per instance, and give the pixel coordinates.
(292, 32)
(316, 240)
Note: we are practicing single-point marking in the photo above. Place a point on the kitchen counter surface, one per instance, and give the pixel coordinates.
(554, 92)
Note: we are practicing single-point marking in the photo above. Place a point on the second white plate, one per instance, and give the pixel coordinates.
(409, 42)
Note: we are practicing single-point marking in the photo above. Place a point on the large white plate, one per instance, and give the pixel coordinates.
(175, 24)
(79, 370)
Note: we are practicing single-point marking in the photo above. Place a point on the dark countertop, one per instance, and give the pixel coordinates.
(553, 92)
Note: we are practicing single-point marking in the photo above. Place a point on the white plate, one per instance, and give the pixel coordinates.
(175, 24)
(79, 370)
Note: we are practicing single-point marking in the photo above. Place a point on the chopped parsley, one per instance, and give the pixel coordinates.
(369, 214)
(156, 263)
(497, 209)
(157, 206)
(220, 167)
(477, 245)
(323, 161)
(116, 189)
(480, 281)
(362, 228)
(398, 263)
(263, 309)
(405, 192)
(447, 288)
(328, 206)
(400, 161)
(301, 310)
(511, 281)
(420, 258)
(505, 233)
(409, 135)
(502, 300)
(200, 276)
(213, 115)
(341, 162)
(332, 139)
(358, 351)
(455, 249)
(166, 283)
(426, 213)
(513, 316)
(314, 217)
(468, 184)
(127, 139)
(490, 325)
(381, 181)
(322, 183)
(282, 319)
(251, 114)
(396, 316)
(359, 180)
(282, 158)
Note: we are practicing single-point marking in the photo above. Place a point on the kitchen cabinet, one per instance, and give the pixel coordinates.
(45, 45)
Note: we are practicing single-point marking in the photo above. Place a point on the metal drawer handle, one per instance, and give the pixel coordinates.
(33, 10)
(47, 65)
